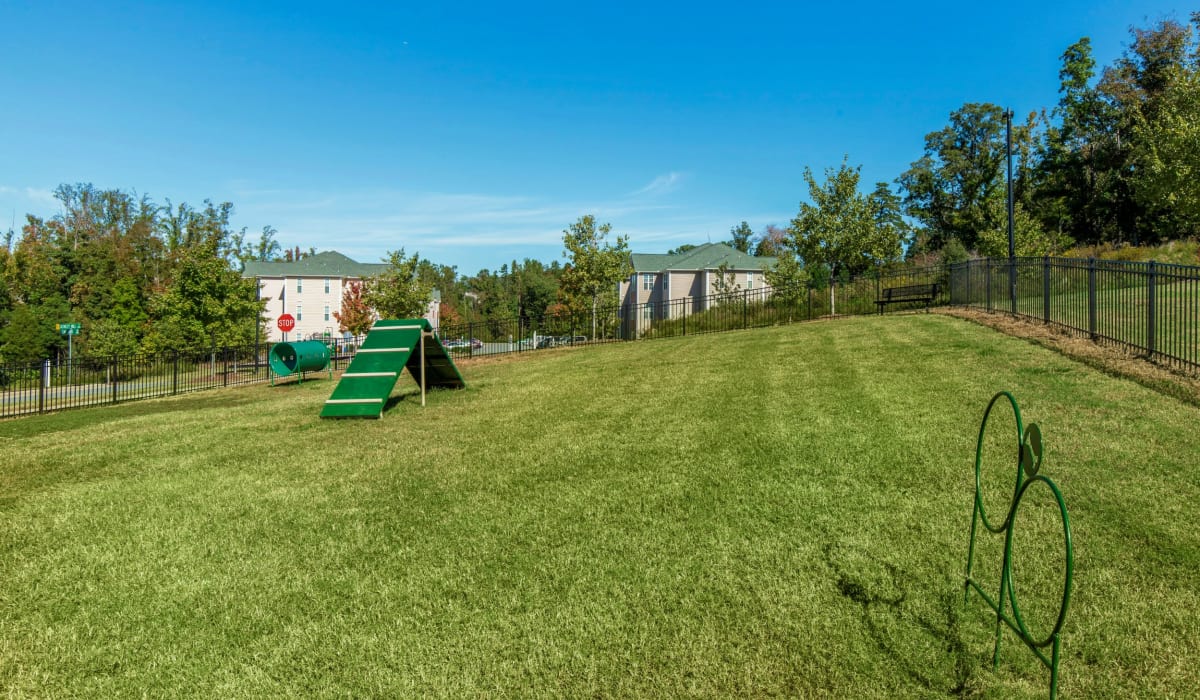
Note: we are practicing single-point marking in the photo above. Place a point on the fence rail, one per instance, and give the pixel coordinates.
(1148, 307)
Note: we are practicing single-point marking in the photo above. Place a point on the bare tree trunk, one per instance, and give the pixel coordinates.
(832, 310)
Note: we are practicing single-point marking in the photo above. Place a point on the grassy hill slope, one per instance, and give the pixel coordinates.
(781, 511)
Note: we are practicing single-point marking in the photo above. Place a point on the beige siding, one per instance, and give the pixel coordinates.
(282, 296)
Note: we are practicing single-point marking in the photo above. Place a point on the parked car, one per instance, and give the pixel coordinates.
(451, 344)
(477, 343)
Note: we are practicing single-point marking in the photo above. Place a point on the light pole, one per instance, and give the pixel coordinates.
(1012, 249)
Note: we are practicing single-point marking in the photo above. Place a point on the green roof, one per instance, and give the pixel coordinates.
(709, 256)
(327, 264)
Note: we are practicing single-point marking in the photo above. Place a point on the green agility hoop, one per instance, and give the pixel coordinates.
(1029, 463)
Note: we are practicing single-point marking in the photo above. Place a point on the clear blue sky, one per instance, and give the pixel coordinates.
(474, 133)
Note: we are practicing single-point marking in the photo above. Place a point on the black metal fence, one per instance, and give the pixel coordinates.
(90, 381)
(1147, 307)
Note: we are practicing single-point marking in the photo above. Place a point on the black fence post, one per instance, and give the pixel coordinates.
(43, 380)
(1151, 282)
(1012, 282)
(470, 339)
(1092, 297)
(987, 279)
(745, 309)
(225, 367)
(175, 373)
(1046, 288)
(116, 365)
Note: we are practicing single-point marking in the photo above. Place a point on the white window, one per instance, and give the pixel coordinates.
(299, 285)
(299, 312)
(749, 280)
(647, 313)
(666, 286)
(326, 288)
(327, 311)
(647, 281)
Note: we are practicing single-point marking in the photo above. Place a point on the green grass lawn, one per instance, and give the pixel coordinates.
(772, 512)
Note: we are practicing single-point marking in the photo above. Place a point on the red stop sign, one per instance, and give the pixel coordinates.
(286, 322)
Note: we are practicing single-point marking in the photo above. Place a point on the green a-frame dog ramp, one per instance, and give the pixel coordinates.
(389, 348)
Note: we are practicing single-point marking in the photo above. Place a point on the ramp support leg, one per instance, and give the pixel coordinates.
(422, 370)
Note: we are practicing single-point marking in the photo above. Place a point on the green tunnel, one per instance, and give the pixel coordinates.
(303, 356)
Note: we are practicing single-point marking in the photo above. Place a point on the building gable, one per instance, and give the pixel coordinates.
(326, 264)
(708, 256)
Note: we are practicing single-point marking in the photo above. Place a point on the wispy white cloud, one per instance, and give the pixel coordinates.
(41, 196)
(31, 194)
(661, 185)
(474, 229)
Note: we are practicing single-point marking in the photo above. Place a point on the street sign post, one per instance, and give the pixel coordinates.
(70, 330)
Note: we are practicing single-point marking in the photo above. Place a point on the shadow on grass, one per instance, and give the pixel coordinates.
(884, 593)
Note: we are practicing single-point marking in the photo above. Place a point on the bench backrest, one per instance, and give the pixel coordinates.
(912, 291)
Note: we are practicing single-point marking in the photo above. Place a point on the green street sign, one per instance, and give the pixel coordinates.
(69, 328)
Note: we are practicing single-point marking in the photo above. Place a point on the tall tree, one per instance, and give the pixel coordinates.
(948, 189)
(1168, 154)
(841, 228)
(207, 303)
(1137, 87)
(772, 242)
(1078, 179)
(1166, 130)
(596, 266)
(398, 291)
(740, 236)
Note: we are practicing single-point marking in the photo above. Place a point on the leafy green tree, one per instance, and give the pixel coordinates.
(788, 279)
(890, 226)
(29, 336)
(1168, 156)
(121, 329)
(1078, 179)
(740, 236)
(841, 229)
(596, 266)
(108, 337)
(398, 291)
(682, 249)
(1166, 130)
(948, 189)
(1029, 237)
(207, 304)
(267, 248)
(724, 286)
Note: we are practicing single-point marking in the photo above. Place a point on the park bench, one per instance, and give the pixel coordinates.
(908, 294)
